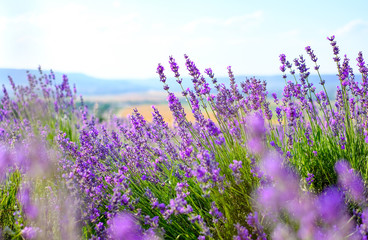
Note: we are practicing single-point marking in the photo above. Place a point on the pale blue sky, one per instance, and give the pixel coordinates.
(127, 39)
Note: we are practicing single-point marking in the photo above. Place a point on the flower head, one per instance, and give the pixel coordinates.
(350, 181)
(124, 226)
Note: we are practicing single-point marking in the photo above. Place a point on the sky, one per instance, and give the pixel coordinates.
(118, 39)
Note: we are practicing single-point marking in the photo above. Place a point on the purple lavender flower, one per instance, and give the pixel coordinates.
(331, 38)
(242, 233)
(179, 205)
(205, 231)
(320, 217)
(176, 109)
(279, 114)
(302, 67)
(29, 208)
(363, 227)
(235, 167)
(124, 226)
(256, 125)
(282, 58)
(174, 67)
(193, 70)
(331, 205)
(350, 181)
(286, 186)
(234, 87)
(256, 130)
(307, 134)
(310, 178)
(335, 49)
(210, 73)
(5, 163)
(253, 222)
(212, 129)
(274, 95)
(216, 214)
(345, 74)
(160, 71)
(363, 69)
(283, 68)
(30, 232)
(311, 54)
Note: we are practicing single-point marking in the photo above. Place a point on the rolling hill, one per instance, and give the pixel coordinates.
(91, 86)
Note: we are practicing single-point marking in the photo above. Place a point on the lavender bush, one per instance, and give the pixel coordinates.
(30, 183)
(264, 167)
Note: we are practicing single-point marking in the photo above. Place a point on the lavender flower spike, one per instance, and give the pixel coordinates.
(160, 71)
(174, 67)
(350, 181)
(123, 226)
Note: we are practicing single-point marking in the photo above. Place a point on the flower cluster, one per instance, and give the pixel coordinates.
(250, 165)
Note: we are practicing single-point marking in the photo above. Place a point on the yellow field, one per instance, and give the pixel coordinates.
(146, 111)
(158, 99)
(151, 96)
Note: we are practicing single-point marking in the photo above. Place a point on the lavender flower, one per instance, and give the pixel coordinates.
(176, 109)
(28, 207)
(330, 206)
(274, 95)
(124, 226)
(235, 167)
(256, 130)
(335, 49)
(175, 68)
(30, 232)
(282, 58)
(363, 69)
(311, 54)
(160, 71)
(242, 233)
(210, 73)
(350, 181)
(253, 221)
(179, 205)
(193, 70)
(217, 215)
(310, 178)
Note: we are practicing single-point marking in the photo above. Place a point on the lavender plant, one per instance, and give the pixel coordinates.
(30, 118)
(255, 170)
(317, 131)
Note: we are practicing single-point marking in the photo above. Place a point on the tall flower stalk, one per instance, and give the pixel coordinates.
(252, 165)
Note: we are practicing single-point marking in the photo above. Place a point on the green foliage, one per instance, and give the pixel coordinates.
(10, 219)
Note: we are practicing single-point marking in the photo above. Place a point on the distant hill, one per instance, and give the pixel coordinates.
(86, 85)
(91, 86)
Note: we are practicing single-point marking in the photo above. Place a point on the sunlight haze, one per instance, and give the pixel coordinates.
(127, 39)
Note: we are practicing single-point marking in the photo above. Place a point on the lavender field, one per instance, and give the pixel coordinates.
(240, 169)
